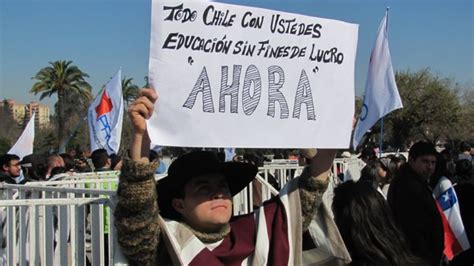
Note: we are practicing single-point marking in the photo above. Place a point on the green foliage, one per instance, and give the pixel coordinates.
(5, 145)
(68, 82)
(129, 90)
(431, 109)
(45, 140)
(10, 130)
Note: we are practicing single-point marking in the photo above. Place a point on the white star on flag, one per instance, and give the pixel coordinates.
(446, 197)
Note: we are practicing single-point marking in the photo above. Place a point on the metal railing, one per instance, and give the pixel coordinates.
(65, 222)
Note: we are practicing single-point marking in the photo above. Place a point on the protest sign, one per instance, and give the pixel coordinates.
(235, 76)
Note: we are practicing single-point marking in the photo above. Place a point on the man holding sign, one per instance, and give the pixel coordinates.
(269, 72)
(187, 219)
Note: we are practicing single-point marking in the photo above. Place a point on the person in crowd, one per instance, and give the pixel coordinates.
(10, 168)
(34, 167)
(238, 158)
(367, 226)
(414, 208)
(391, 168)
(54, 165)
(367, 155)
(376, 174)
(115, 162)
(401, 160)
(72, 153)
(81, 160)
(465, 191)
(187, 217)
(101, 160)
(69, 163)
(440, 171)
(450, 159)
(465, 151)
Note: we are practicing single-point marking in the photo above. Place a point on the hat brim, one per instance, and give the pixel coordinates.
(237, 174)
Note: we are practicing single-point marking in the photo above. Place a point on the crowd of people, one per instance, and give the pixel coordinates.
(51, 167)
(390, 216)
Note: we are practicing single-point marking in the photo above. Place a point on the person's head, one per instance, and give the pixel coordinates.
(464, 169)
(367, 154)
(72, 153)
(55, 165)
(115, 162)
(447, 154)
(199, 189)
(401, 160)
(367, 227)
(10, 165)
(69, 163)
(100, 159)
(465, 147)
(375, 173)
(34, 166)
(422, 159)
(153, 156)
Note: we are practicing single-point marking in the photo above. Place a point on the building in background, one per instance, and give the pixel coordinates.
(21, 113)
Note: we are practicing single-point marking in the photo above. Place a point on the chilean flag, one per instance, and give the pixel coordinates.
(455, 238)
(105, 116)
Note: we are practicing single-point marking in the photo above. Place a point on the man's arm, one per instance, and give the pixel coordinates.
(314, 181)
(136, 213)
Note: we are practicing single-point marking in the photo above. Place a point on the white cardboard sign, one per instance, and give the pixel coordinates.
(236, 76)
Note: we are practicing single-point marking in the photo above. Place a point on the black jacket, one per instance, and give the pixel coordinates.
(6, 178)
(415, 211)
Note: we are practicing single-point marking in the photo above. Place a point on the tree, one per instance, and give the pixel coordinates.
(11, 132)
(5, 145)
(61, 78)
(129, 90)
(431, 109)
(463, 131)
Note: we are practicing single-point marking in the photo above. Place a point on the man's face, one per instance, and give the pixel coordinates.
(13, 169)
(207, 203)
(424, 165)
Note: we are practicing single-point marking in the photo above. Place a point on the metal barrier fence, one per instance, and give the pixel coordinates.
(70, 221)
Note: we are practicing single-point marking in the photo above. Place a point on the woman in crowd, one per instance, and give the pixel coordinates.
(367, 227)
(377, 174)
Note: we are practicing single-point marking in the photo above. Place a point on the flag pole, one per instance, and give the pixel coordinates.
(62, 148)
(381, 138)
(381, 120)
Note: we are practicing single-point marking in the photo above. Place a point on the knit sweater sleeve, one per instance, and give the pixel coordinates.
(136, 213)
(311, 190)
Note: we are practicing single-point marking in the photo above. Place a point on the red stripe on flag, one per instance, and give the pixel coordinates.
(451, 244)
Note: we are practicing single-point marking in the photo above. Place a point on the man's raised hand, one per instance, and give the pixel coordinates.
(139, 111)
(142, 109)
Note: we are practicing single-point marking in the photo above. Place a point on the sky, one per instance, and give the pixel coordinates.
(100, 36)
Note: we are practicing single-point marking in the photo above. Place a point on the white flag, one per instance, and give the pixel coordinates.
(24, 144)
(381, 92)
(105, 116)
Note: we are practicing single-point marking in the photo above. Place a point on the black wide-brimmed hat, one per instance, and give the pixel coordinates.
(196, 164)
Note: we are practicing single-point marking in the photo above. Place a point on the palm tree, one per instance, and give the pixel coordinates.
(62, 78)
(129, 90)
